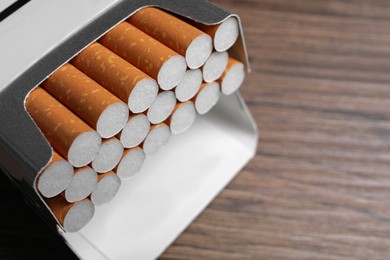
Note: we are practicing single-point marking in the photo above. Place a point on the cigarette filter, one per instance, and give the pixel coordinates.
(82, 185)
(185, 39)
(118, 76)
(189, 85)
(106, 188)
(224, 34)
(72, 216)
(162, 107)
(56, 176)
(233, 77)
(147, 54)
(215, 66)
(135, 131)
(67, 133)
(157, 138)
(109, 155)
(182, 117)
(207, 97)
(131, 163)
(91, 102)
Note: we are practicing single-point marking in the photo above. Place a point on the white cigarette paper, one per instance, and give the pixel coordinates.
(84, 149)
(135, 131)
(109, 155)
(226, 34)
(207, 98)
(215, 66)
(157, 138)
(183, 117)
(233, 77)
(189, 85)
(55, 178)
(162, 107)
(83, 184)
(78, 216)
(131, 163)
(106, 188)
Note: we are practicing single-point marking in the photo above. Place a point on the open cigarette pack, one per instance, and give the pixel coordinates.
(121, 120)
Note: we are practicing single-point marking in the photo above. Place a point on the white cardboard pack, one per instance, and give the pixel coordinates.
(176, 184)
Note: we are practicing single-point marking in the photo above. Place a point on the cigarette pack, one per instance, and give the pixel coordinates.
(154, 207)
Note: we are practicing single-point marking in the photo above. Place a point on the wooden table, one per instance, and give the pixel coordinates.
(319, 186)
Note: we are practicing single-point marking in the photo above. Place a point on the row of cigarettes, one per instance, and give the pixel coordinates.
(120, 99)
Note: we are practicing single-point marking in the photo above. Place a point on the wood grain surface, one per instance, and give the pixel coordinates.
(319, 186)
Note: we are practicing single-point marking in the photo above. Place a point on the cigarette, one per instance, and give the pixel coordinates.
(68, 134)
(135, 131)
(83, 184)
(147, 54)
(224, 35)
(118, 76)
(181, 37)
(182, 118)
(215, 66)
(106, 188)
(233, 77)
(131, 163)
(88, 100)
(109, 155)
(162, 107)
(189, 85)
(56, 177)
(72, 216)
(207, 97)
(157, 138)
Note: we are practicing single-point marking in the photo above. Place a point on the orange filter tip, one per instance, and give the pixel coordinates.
(118, 76)
(55, 177)
(233, 77)
(147, 54)
(224, 34)
(72, 216)
(195, 45)
(88, 100)
(68, 134)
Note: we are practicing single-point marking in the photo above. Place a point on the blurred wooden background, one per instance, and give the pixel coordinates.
(319, 187)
